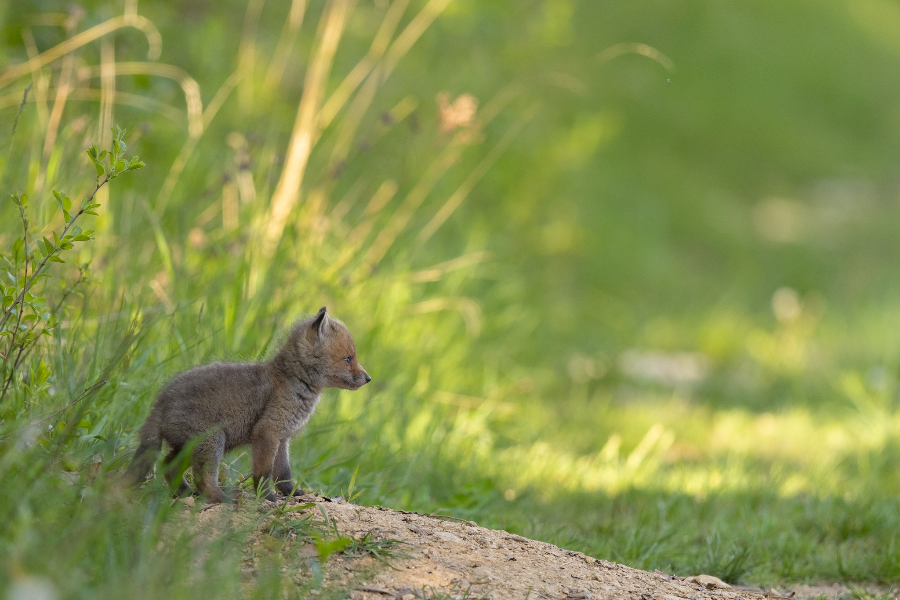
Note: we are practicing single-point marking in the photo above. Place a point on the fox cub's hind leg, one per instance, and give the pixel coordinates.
(205, 464)
(172, 471)
(284, 482)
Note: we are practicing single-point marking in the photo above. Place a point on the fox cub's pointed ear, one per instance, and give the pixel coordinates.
(319, 322)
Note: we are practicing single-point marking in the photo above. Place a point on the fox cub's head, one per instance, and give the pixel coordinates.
(327, 349)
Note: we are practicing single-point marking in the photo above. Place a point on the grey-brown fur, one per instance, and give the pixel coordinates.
(226, 405)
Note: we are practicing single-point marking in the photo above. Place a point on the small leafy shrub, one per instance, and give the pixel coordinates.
(25, 272)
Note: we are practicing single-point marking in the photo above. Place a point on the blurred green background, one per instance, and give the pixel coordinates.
(640, 303)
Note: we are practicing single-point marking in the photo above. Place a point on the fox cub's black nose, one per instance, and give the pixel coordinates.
(368, 379)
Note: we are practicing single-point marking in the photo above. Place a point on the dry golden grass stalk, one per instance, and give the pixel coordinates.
(126, 99)
(358, 235)
(436, 272)
(287, 191)
(85, 37)
(362, 69)
(633, 48)
(188, 84)
(37, 75)
(108, 90)
(247, 52)
(398, 221)
(474, 177)
(63, 89)
(283, 49)
(123, 98)
(190, 144)
(382, 71)
(467, 307)
(411, 34)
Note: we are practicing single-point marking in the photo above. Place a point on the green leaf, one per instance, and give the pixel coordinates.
(55, 258)
(56, 238)
(67, 203)
(67, 215)
(57, 196)
(84, 423)
(120, 165)
(89, 212)
(100, 169)
(82, 238)
(43, 373)
(327, 548)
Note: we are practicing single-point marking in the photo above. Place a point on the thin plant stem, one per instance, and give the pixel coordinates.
(15, 334)
(12, 372)
(23, 351)
(43, 262)
(22, 106)
(12, 136)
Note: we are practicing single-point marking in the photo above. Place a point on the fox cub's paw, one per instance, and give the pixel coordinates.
(288, 489)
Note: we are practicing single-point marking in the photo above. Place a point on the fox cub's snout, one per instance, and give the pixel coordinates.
(338, 351)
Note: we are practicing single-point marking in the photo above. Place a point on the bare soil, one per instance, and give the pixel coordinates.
(449, 558)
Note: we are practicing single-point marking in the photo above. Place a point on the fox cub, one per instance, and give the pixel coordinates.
(226, 405)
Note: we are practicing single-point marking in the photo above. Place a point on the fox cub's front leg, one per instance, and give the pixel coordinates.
(284, 482)
(263, 448)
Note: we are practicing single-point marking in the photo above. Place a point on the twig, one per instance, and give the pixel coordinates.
(449, 518)
(12, 370)
(87, 392)
(15, 335)
(23, 353)
(22, 106)
(43, 262)
(374, 589)
(436, 516)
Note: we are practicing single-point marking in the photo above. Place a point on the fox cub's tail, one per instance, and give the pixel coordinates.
(145, 456)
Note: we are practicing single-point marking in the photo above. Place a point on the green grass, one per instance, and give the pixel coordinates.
(384, 550)
(599, 225)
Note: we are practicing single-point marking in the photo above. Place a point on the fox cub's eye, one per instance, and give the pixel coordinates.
(347, 358)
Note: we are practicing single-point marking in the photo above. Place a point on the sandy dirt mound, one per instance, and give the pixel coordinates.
(449, 558)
